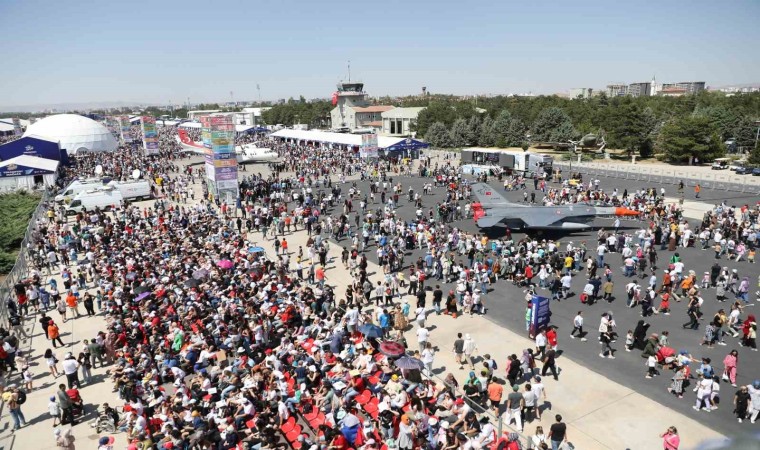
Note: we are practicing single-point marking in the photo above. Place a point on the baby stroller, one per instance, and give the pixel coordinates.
(77, 402)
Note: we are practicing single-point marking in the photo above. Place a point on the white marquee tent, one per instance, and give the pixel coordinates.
(75, 133)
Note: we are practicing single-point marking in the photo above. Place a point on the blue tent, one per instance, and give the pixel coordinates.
(34, 146)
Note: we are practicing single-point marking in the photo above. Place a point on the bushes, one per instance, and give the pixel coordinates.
(17, 209)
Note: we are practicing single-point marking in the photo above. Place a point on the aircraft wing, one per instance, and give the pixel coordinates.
(488, 197)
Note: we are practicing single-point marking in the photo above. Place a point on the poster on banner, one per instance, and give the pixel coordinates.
(17, 127)
(225, 173)
(205, 131)
(150, 135)
(126, 129)
(540, 314)
(368, 148)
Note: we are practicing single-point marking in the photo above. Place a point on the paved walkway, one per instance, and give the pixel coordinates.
(600, 413)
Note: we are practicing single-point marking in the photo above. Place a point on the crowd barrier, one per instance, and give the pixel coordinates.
(718, 180)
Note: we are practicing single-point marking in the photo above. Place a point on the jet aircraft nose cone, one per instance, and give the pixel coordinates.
(621, 211)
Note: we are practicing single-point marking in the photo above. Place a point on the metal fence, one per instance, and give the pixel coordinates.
(20, 269)
(717, 180)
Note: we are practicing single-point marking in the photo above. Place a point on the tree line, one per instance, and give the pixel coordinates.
(678, 127)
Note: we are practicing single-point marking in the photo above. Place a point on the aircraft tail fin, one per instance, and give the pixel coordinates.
(184, 137)
(488, 197)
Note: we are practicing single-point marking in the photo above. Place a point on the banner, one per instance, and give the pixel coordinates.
(17, 127)
(126, 130)
(205, 131)
(539, 314)
(221, 165)
(368, 148)
(150, 135)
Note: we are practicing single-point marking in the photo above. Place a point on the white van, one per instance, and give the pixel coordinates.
(133, 189)
(80, 185)
(102, 198)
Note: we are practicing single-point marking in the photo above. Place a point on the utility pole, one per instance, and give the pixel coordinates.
(349, 70)
(258, 88)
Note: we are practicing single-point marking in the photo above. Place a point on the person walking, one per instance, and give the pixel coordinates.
(469, 349)
(54, 333)
(70, 369)
(729, 363)
(65, 404)
(697, 190)
(578, 326)
(549, 363)
(459, 350)
(14, 399)
(515, 405)
(670, 439)
(558, 432)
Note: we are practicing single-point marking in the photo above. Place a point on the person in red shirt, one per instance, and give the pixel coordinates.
(551, 337)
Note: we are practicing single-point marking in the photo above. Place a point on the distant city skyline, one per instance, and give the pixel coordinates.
(100, 52)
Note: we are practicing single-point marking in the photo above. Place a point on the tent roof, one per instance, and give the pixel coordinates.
(75, 133)
(32, 162)
(345, 139)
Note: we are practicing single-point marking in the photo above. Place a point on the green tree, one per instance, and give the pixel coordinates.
(689, 137)
(553, 125)
(438, 135)
(460, 133)
(630, 128)
(754, 156)
(488, 135)
(745, 132)
(722, 119)
(473, 130)
(442, 112)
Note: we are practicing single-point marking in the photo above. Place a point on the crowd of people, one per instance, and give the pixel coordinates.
(212, 342)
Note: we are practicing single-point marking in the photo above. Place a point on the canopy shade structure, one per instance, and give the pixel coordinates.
(391, 146)
(75, 134)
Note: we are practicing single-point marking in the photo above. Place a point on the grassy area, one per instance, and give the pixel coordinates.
(17, 209)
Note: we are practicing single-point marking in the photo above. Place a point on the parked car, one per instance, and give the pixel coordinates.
(743, 170)
(756, 172)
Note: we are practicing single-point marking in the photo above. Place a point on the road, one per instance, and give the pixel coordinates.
(506, 307)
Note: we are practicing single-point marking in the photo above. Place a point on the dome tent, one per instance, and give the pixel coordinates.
(76, 134)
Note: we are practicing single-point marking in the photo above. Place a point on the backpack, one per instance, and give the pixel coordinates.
(21, 397)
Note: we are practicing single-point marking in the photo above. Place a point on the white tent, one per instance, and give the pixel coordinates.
(76, 134)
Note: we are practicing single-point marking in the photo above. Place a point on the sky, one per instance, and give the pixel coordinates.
(166, 51)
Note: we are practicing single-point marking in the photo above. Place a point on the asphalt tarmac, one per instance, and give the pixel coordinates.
(506, 306)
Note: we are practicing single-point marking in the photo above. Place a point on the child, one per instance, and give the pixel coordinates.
(28, 378)
(629, 341)
(751, 256)
(706, 280)
(652, 366)
(664, 304)
(54, 411)
(709, 335)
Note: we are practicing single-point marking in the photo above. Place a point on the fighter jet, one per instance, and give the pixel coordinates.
(492, 208)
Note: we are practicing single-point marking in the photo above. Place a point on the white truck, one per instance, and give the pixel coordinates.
(80, 185)
(512, 161)
(133, 189)
(102, 198)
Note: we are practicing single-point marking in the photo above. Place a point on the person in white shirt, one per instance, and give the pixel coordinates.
(70, 367)
(422, 337)
(578, 326)
(704, 392)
